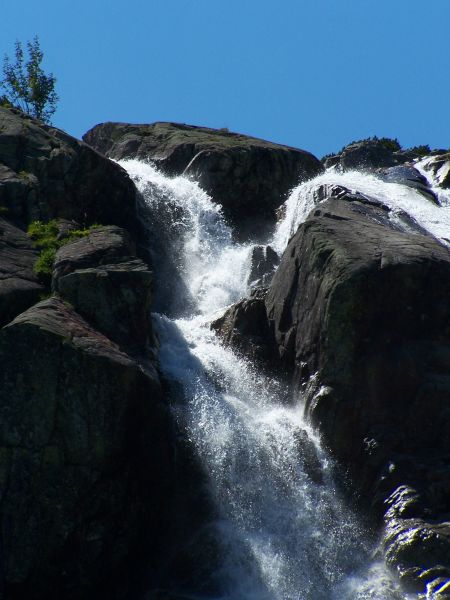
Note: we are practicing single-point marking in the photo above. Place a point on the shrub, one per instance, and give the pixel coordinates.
(423, 150)
(44, 265)
(389, 143)
(45, 237)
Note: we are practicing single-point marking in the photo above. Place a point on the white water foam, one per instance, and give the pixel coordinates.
(286, 532)
(423, 166)
(213, 268)
(435, 219)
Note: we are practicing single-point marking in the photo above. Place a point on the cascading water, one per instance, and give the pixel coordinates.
(285, 532)
(399, 198)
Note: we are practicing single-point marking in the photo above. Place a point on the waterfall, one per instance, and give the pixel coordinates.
(285, 530)
(433, 218)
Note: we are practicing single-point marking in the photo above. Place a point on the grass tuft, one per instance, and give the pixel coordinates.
(45, 237)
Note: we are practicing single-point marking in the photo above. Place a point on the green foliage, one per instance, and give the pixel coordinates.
(44, 265)
(4, 210)
(75, 234)
(45, 237)
(389, 143)
(44, 234)
(25, 84)
(423, 150)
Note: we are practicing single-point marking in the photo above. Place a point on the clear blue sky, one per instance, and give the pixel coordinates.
(314, 74)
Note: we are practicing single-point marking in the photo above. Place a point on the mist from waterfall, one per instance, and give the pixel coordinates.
(285, 530)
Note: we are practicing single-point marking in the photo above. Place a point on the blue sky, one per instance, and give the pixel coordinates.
(314, 74)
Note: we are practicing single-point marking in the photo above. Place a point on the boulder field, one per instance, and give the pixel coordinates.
(101, 495)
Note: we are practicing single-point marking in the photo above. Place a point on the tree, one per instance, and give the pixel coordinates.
(25, 84)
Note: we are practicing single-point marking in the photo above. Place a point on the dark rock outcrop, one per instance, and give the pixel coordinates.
(358, 313)
(372, 154)
(101, 495)
(103, 245)
(247, 176)
(263, 262)
(45, 173)
(244, 326)
(361, 306)
(116, 298)
(84, 455)
(19, 286)
(409, 176)
(108, 285)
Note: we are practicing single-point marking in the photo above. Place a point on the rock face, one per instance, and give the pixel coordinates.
(19, 286)
(409, 176)
(103, 245)
(244, 326)
(101, 496)
(358, 313)
(264, 261)
(83, 443)
(248, 177)
(111, 288)
(375, 153)
(45, 173)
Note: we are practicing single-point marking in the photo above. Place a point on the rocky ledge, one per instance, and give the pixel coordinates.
(247, 176)
(45, 173)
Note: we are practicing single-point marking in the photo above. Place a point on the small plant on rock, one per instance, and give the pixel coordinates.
(45, 237)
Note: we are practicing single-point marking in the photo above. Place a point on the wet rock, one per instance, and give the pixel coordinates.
(409, 176)
(250, 178)
(45, 174)
(331, 161)
(439, 167)
(264, 261)
(308, 456)
(419, 552)
(19, 286)
(327, 190)
(360, 303)
(84, 458)
(244, 327)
